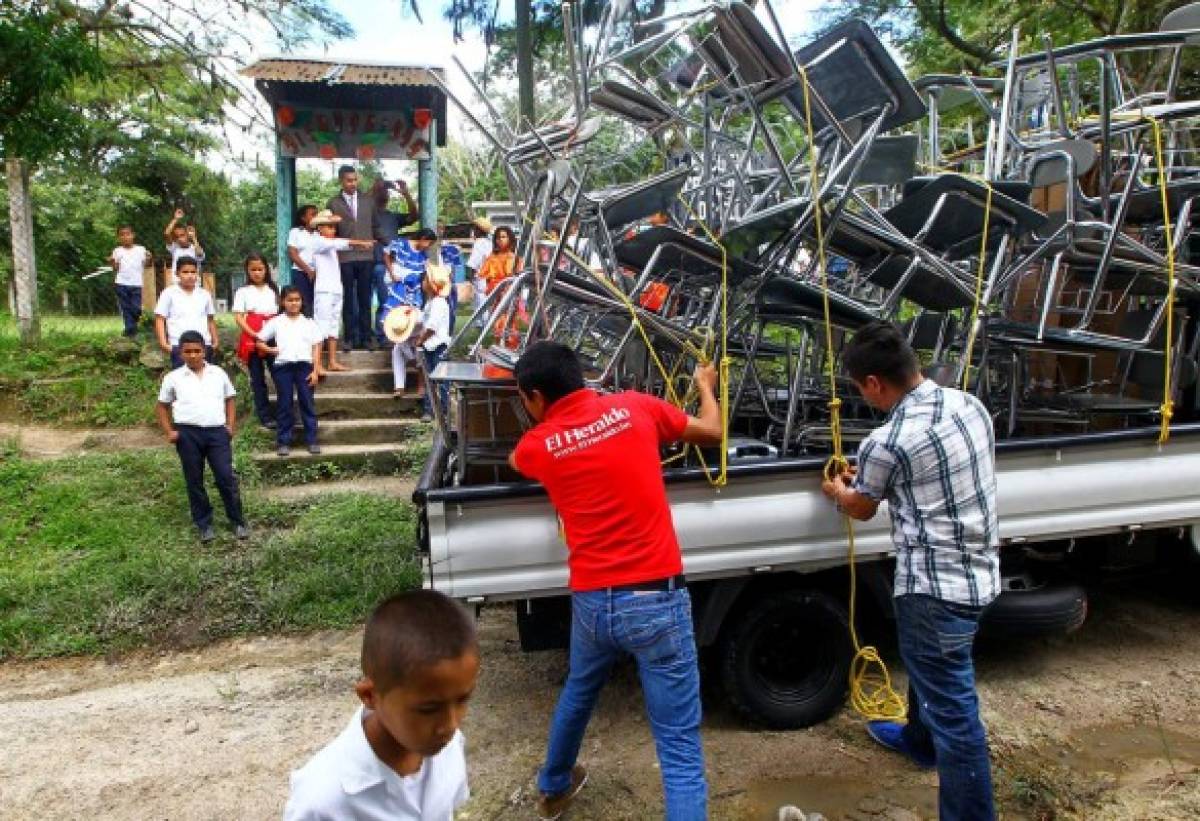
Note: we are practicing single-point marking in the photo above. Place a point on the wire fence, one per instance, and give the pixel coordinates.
(95, 295)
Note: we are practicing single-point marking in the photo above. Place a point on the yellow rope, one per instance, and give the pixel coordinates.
(970, 346)
(1167, 409)
(871, 693)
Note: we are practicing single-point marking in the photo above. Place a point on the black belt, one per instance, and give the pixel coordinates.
(673, 583)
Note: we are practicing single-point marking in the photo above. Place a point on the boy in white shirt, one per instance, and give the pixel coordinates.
(185, 307)
(297, 348)
(327, 286)
(182, 242)
(128, 260)
(401, 756)
(434, 339)
(197, 413)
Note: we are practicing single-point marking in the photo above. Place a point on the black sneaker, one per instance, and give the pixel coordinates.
(241, 531)
(283, 450)
(207, 534)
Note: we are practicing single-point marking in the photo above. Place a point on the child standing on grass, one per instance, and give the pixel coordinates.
(196, 412)
(296, 352)
(327, 286)
(128, 260)
(253, 304)
(185, 307)
(401, 756)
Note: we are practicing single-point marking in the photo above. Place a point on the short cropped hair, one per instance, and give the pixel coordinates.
(346, 169)
(423, 233)
(412, 631)
(549, 367)
(880, 350)
(182, 261)
(124, 227)
(190, 336)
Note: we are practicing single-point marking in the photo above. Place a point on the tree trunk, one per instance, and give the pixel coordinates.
(20, 210)
(523, 11)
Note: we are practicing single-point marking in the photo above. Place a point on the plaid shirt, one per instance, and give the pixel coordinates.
(933, 461)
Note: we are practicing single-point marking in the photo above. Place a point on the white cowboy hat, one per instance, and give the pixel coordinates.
(325, 217)
(440, 277)
(400, 322)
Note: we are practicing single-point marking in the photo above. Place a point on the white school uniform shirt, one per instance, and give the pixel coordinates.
(346, 780)
(302, 240)
(325, 262)
(185, 312)
(130, 262)
(480, 251)
(176, 251)
(294, 337)
(251, 299)
(197, 399)
(436, 317)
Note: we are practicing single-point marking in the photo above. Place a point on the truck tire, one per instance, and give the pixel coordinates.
(1042, 611)
(785, 662)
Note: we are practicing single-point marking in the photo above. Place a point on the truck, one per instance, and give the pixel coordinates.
(767, 563)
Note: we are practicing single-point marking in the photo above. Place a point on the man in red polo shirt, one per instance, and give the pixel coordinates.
(599, 458)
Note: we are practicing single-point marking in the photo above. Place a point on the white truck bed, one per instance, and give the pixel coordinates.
(501, 542)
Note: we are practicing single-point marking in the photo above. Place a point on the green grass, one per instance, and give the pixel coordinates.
(81, 373)
(97, 554)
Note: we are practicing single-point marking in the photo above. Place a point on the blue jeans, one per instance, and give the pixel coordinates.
(656, 629)
(432, 358)
(197, 445)
(936, 638)
(379, 283)
(291, 380)
(129, 300)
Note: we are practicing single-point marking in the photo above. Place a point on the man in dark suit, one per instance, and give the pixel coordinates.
(358, 222)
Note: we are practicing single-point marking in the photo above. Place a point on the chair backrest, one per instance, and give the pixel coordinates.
(930, 330)
(1047, 167)
(1184, 18)
(855, 77)
(890, 161)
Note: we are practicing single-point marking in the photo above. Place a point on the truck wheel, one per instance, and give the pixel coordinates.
(786, 661)
(1040, 611)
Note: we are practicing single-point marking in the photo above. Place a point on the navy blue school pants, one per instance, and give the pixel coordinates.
(258, 366)
(291, 379)
(301, 281)
(129, 300)
(196, 446)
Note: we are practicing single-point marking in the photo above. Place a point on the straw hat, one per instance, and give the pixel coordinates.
(440, 277)
(483, 224)
(400, 322)
(325, 217)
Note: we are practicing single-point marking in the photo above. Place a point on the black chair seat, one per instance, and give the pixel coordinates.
(1024, 335)
(960, 223)
(682, 251)
(1145, 206)
(1099, 403)
(765, 228)
(926, 287)
(782, 299)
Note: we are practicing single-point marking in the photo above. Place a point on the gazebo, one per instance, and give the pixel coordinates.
(330, 110)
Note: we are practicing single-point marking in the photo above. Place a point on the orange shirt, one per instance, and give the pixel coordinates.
(498, 266)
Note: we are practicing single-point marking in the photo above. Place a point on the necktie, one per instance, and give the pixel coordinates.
(353, 202)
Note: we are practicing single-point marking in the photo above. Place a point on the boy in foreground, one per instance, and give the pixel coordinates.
(401, 756)
(197, 413)
(598, 457)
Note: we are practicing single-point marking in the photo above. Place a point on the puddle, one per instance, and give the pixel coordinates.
(838, 796)
(1131, 753)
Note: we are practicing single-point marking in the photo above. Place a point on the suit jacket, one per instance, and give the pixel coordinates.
(350, 228)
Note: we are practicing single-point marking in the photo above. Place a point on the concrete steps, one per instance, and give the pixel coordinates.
(388, 487)
(301, 467)
(364, 380)
(381, 431)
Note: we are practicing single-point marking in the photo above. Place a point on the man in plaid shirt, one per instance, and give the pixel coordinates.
(933, 461)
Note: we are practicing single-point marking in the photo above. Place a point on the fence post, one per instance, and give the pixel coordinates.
(20, 212)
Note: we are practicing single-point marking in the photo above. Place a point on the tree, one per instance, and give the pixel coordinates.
(61, 61)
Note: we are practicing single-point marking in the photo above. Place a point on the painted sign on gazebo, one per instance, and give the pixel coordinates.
(326, 133)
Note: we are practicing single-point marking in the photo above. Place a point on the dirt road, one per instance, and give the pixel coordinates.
(1101, 725)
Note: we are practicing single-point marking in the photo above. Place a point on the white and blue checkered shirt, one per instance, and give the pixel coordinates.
(933, 460)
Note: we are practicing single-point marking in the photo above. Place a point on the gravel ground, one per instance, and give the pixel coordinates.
(1099, 725)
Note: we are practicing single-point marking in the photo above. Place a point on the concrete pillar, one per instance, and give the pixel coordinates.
(427, 179)
(285, 212)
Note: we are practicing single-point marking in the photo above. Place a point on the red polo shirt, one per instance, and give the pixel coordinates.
(598, 458)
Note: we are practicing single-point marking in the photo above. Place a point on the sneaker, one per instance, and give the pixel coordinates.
(283, 450)
(207, 534)
(314, 449)
(269, 424)
(426, 417)
(241, 531)
(890, 734)
(551, 807)
(372, 346)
